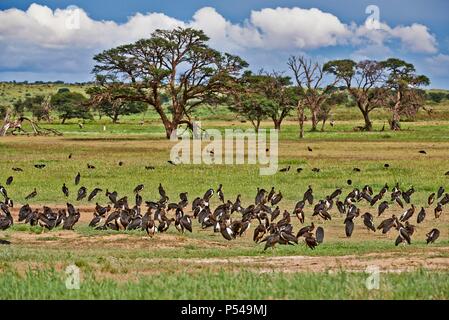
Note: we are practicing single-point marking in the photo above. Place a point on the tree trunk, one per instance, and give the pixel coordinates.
(314, 120)
(115, 118)
(63, 120)
(324, 123)
(169, 129)
(277, 124)
(368, 123)
(396, 118)
(6, 124)
(168, 125)
(257, 125)
(301, 121)
(395, 122)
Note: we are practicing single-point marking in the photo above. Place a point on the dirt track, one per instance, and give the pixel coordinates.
(396, 260)
(389, 262)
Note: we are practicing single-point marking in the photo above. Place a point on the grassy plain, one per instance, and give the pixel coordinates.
(202, 264)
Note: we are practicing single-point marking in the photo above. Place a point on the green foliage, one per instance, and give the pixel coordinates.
(119, 108)
(253, 107)
(261, 96)
(436, 97)
(35, 105)
(174, 63)
(3, 110)
(70, 105)
(63, 90)
(343, 69)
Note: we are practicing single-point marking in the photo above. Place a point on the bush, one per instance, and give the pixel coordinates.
(63, 90)
(436, 97)
(3, 110)
(71, 105)
(35, 105)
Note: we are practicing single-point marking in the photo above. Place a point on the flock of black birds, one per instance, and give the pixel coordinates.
(272, 226)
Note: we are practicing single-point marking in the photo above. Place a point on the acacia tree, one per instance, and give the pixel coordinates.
(70, 105)
(261, 96)
(118, 107)
(403, 84)
(246, 98)
(336, 98)
(309, 77)
(364, 82)
(279, 90)
(254, 107)
(175, 63)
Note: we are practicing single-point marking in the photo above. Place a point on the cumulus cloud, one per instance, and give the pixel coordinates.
(43, 40)
(300, 28)
(415, 38)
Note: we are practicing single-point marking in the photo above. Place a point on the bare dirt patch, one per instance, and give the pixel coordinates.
(386, 262)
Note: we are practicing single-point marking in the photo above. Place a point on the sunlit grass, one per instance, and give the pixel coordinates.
(48, 284)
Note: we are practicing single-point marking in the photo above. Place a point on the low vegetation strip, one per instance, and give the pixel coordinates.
(49, 284)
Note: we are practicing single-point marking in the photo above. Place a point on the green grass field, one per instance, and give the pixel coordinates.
(227, 285)
(130, 265)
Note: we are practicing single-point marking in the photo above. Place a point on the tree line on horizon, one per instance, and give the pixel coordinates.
(178, 69)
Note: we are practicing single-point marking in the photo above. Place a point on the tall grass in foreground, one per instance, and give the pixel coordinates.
(49, 284)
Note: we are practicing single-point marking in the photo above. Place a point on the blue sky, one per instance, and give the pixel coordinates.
(35, 45)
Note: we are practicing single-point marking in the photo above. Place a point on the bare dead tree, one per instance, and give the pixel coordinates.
(309, 77)
(14, 126)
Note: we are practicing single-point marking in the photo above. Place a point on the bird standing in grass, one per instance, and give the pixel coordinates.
(319, 234)
(77, 179)
(93, 194)
(6, 221)
(403, 236)
(431, 199)
(82, 193)
(276, 199)
(387, 224)
(438, 210)
(308, 195)
(260, 196)
(65, 190)
(139, 188)
(4, 192)
(432, 236)
(72, 218)
(220, 193)
(9, 180)
(440, 192)
(31, 195)
(421, 215)
(310, 241)
(368, 221)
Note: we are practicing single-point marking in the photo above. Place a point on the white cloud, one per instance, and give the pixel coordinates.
(416, 38)
(300, 28)
(38, 39)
